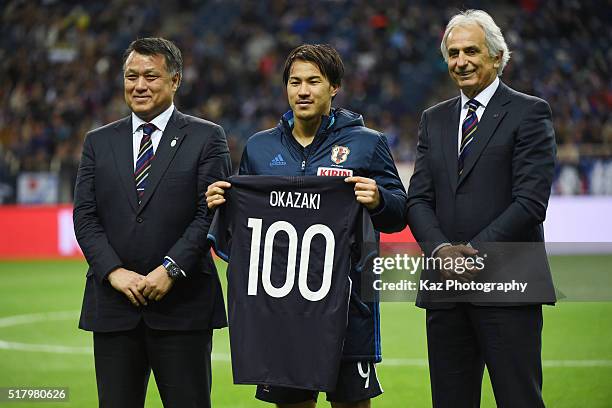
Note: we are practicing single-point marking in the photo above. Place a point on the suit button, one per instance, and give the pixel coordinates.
(139, 220)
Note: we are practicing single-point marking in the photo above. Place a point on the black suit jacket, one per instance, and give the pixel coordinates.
(502, 193)
(114, 231)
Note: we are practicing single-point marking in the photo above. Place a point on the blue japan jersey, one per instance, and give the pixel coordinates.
(291, 243)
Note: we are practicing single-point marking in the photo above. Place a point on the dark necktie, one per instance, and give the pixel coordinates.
(145, 157)
(470, 123)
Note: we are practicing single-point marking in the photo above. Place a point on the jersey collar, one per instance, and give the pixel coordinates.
(326, 122)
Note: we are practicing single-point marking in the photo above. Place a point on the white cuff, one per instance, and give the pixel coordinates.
(442, 245)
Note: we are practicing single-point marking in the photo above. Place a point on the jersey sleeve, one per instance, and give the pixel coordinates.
(220, 233)
(366, 239)
(391, 215)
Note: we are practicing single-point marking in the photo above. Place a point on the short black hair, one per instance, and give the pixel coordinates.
(158, 46)
(323, 56)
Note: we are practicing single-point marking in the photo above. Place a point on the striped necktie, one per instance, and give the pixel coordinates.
(469, 126)
(145, 157)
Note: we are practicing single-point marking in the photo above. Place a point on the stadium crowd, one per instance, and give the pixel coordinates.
(58, 76)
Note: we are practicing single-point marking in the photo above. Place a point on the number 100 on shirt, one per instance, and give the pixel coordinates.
(255, 224)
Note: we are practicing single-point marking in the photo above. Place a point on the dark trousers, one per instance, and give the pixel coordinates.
(180, 361)
(508, 340)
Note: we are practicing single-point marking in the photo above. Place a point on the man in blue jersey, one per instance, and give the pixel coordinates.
(315, 139)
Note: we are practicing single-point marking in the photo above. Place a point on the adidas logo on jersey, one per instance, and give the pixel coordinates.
(278, 161)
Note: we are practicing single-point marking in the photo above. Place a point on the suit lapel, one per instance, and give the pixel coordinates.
(449, 142)
(164, 154)
(123, 152)
(491, 118)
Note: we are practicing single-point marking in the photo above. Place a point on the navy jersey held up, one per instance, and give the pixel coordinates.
(291, 244)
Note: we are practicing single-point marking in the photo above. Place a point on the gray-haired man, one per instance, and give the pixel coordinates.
(483, 173)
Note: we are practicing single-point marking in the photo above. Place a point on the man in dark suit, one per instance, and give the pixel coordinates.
(483, 174)
(152, 294)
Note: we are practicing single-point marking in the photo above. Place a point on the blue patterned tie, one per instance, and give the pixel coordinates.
(145, 157)
(469, 126)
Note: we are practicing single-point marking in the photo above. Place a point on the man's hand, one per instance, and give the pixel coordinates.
(455, 252)
(366, 191)
(127, 282)
(156, 284)
(215, 192)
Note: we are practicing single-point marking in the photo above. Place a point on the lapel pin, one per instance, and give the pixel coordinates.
(173, 142)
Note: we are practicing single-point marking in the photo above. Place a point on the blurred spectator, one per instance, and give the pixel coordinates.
(57, 79)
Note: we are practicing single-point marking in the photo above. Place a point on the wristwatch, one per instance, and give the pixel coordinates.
(173, 270)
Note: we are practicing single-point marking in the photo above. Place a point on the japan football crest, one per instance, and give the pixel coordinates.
(339, 154)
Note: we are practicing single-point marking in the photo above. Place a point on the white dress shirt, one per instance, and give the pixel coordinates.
(160, 122)
(483, 98)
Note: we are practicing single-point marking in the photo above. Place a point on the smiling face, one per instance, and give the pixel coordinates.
(469, 62)
(309, 92)
(149, 87)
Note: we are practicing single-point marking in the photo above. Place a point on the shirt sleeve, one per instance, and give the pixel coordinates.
(366, 239)
(220, 232)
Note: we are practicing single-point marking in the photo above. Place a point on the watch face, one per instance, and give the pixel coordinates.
(173, 271)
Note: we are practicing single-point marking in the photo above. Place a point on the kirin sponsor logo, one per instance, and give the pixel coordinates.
(332, 172)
